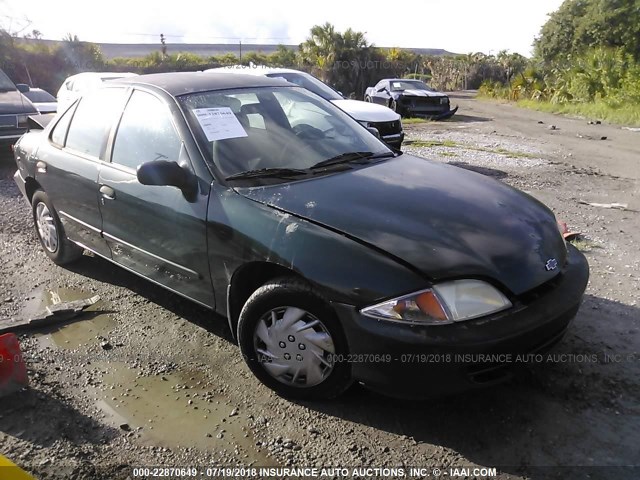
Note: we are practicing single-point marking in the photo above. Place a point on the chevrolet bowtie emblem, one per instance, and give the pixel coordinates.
(551, 264)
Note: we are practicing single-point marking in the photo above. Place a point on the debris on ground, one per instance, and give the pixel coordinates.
(619, 206)
(58, 312)
(552, 127)
(567, 234)
(13, 372)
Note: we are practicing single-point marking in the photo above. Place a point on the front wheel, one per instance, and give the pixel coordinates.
(393, 105)
(367, 98)
(50, 231)
(291, 340)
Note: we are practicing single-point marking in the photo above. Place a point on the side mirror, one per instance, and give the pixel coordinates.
(164, 173)
(23, 87)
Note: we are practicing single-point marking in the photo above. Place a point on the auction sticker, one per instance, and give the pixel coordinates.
(219, 123)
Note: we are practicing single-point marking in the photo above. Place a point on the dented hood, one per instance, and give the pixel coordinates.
(445, 221)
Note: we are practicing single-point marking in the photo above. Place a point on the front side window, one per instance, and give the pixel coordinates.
(146, 132)
(292, 129)
(92, 121)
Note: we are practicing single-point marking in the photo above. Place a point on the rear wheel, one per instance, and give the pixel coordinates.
(291, 340)
(367, 98)
(50, 231)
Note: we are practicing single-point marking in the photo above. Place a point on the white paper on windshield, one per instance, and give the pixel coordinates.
(219, 123)
(396, 84)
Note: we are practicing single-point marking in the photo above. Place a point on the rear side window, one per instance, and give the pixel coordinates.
(92, 121)
(60, 130)
(146, 133)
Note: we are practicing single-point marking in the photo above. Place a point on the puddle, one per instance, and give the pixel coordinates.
(176, 410)
(76, 332)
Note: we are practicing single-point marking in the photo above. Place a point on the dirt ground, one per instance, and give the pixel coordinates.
(149, 379)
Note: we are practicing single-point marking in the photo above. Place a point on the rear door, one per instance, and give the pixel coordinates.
(68, 165)
(154, 231)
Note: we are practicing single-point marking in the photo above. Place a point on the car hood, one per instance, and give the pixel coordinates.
(12, 102)
(444, 221)
(366, 112)
(421, 93)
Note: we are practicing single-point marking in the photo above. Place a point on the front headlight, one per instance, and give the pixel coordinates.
(442, 304)
(364, 124)
(444, 100)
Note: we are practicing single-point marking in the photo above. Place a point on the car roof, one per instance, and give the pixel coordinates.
(252, 70)
(182, 83)
(104, 74)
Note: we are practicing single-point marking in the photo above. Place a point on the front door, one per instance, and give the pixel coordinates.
(154, 230)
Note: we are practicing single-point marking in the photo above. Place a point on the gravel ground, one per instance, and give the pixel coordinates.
(149, 379)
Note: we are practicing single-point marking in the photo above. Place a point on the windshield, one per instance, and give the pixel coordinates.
(5, 82)
(310, 83)
(39, 96)
(399, 85)
(273, 128)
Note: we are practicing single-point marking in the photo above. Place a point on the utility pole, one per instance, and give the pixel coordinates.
(164, 45)
(240, 51)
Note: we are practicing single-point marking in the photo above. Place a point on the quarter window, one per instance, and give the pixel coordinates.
(146, 133)
(60, 130)
(92, 121)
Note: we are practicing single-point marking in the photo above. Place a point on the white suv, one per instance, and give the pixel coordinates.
(383, 119)
(77, 84)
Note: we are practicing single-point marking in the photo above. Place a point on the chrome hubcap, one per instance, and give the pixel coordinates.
(46, 227)
(294, 347)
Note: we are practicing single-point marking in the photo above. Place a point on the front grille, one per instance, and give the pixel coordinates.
(425, 101)
(541, 290)
(8, 121)
(388, 128)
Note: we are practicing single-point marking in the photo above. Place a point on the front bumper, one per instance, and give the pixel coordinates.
(422, 361)
(432, 115)
(394, 140)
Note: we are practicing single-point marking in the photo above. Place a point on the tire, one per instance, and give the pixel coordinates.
(277, 358)
(50, 231)
(393, 105)
(367, 98)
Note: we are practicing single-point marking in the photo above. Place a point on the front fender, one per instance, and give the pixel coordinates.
(242, 231)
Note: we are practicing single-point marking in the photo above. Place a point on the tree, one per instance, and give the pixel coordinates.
(581, 25)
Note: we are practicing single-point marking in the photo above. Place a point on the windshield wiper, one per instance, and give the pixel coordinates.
(355, 157)
(268, 172)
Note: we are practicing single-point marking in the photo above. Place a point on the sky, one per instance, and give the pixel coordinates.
(459, 26)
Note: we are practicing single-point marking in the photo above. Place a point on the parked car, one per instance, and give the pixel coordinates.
(410, 98)
(75, 85)
(14, 112)
(386, 122)
(42, 100)
(334, 258)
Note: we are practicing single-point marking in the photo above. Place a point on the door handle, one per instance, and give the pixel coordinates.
(107, 192)
(41, 166)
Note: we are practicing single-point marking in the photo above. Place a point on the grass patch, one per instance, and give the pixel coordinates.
(412, 120)
(449, 154)
(436, 143)
(628, 114)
